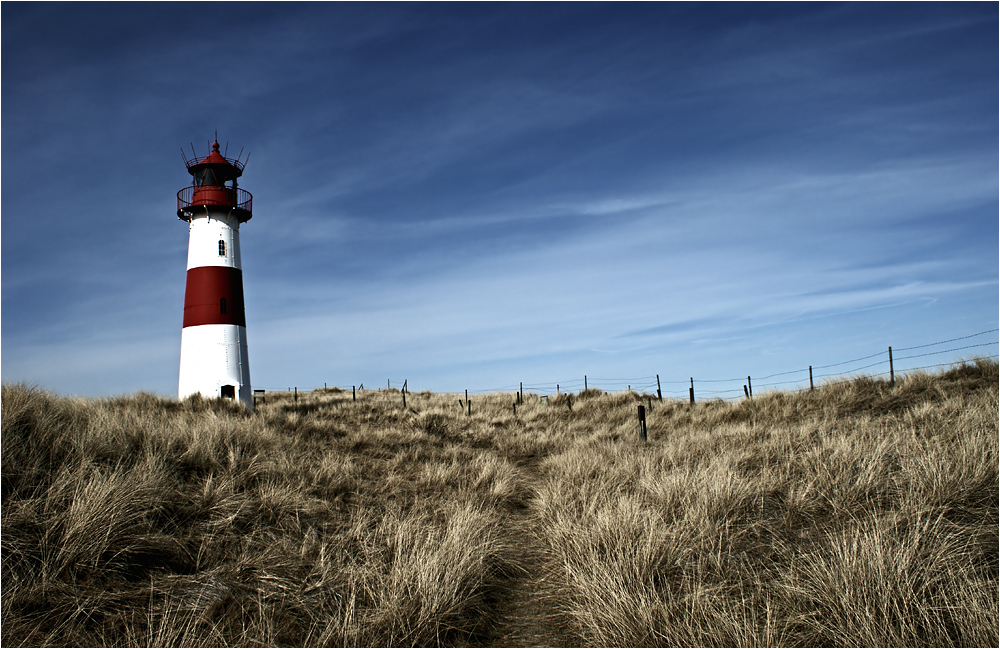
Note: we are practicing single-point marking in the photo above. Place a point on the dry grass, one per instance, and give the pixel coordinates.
(859, 514)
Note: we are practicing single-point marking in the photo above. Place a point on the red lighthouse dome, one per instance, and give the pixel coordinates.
(211, 174)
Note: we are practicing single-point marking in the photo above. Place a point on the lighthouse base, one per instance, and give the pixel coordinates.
(214, 363)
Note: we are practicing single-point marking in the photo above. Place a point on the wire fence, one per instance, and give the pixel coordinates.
(730, 389)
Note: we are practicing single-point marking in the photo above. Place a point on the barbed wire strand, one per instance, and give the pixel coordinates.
(642, 383)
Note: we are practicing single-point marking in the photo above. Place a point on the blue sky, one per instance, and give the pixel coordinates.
(467, 196)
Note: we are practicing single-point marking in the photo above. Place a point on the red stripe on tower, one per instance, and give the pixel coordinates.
(214, 295)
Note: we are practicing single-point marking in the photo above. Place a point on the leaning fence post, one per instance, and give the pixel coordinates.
(745, 393)
(750, 387)
(659, 395)
(642, 423)
(892, 376)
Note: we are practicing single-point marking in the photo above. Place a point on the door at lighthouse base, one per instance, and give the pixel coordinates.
(228, 392)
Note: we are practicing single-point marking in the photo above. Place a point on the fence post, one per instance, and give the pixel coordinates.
(468, 403)
(557, 388)
(659, 395)
(404, 399)
(520, 393)
(584, 382)
(296, 395)
(745, 393)
(750, 387)
(892, 376)
(354, 393)
(810, 378)
(692, 391)
(569, 401)
(642, 423)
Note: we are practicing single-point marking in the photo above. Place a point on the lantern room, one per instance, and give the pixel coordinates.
(210, 191)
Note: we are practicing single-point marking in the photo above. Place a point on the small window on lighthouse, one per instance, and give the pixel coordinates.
(222, 248)
(222, 306)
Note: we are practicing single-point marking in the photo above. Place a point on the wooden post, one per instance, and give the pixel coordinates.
(296, 395)
(354, 393)
(404, 399)
(584, 382)
(692, 391)
(569, 401)
(557, 388)
(520, 393)
(892, 376)
(810, 378)
(468, 403)
(404, 385)
(750, 387)
(745, 393)
(515, 407)
(324, 386)
(659, 395)
(642, 423)
(387, 384)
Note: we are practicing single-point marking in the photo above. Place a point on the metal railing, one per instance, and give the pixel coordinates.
(237, 198)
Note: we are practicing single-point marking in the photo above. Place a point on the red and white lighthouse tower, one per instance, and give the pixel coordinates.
(214, 358)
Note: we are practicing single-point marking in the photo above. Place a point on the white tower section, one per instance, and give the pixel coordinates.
(214, 357)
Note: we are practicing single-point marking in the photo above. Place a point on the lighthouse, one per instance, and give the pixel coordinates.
(214, 360)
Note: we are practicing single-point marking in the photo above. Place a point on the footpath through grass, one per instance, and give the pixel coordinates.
(859, 514)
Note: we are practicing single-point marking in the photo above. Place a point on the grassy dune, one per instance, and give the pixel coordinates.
(858, 514)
